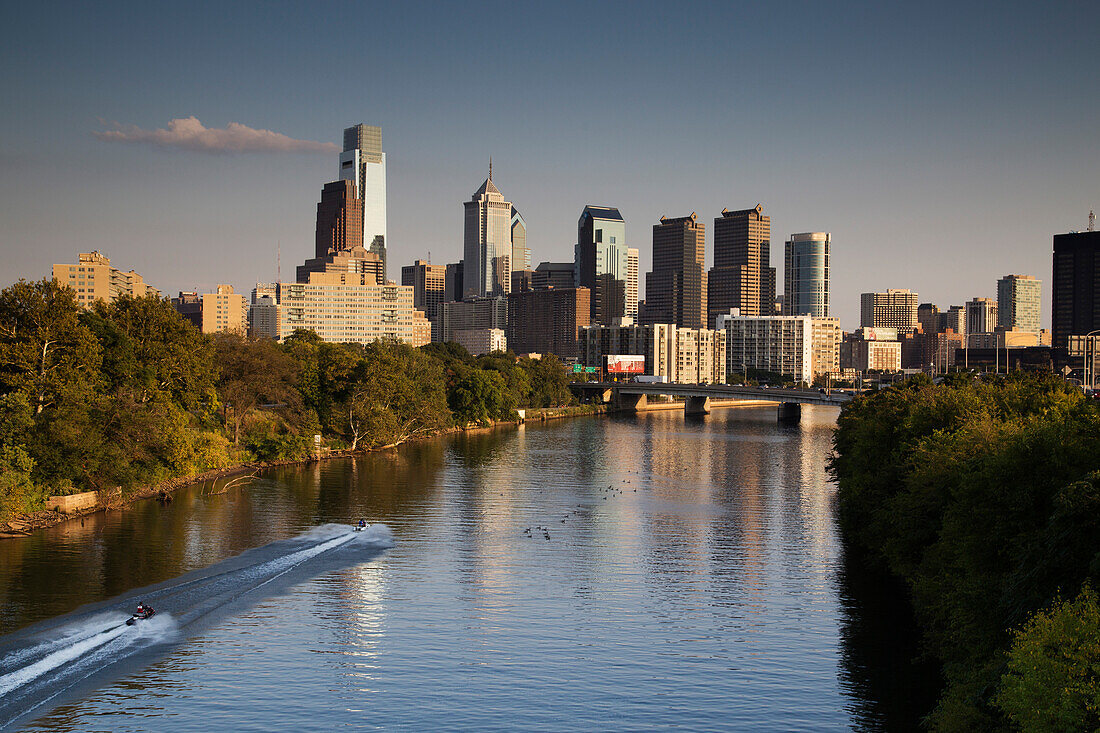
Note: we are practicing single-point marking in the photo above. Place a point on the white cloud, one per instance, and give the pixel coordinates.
(188, 133)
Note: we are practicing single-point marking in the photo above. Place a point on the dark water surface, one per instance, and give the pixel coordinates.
(689, 576)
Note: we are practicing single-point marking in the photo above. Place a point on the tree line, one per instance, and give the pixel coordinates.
(984, 496)
(128, 393)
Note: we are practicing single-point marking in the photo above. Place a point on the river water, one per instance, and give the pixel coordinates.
(616, 573)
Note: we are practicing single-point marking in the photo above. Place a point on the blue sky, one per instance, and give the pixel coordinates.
(941, 144)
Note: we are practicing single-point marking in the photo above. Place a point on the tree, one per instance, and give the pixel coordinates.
(45, 351)
(151, 348)
(1053, 677)
(549, 382)
(253, 373)
(475, 395)
(396, 393)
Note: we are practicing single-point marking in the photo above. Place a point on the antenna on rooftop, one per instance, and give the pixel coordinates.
(1092, 221)
(278, 261)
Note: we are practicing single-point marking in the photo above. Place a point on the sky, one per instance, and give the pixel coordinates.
(941, 144)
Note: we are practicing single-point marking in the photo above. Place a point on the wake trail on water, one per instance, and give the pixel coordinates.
(91, 646)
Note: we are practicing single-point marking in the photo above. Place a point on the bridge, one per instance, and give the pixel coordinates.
(633, 396)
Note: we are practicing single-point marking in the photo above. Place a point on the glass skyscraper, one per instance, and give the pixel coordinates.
(364, 163)
(806, 280)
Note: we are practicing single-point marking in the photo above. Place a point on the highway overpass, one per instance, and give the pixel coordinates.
(633, 396)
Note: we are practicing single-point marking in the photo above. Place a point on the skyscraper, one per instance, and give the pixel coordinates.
(1076, 289)
(742, 276)
(1018, 302)
(521, 255)
(339, 218)
(806, 274)
(364, 163)
(487, 243)
(632, 282)
(981, 315)
(676, 289)
(601, 261)
(893, 309)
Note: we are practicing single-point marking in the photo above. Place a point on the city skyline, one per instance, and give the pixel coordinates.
(903, 133)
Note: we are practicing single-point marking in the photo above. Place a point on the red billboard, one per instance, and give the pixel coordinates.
(625, 364)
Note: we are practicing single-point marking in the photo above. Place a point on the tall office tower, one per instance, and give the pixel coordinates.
(806, 283)
(521, 255)
(981, 315)
(453, 284)
(364, 163)
(632, 282)
(1076, 291)
(1018, 299)
(487, 243)
(601, 261)
(893, 309)
(339, 218)
(676, 289)
(742, 276)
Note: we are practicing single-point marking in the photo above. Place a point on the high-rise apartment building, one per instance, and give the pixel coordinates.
(676, 289)
(547, 321)
(631, 282)
(981, 315)
(364, 163)
(521, 254)
(742, 276)
(487, 243)
(601, 261)
(806, 274)
(799, 347)
(895, 308)
(351, 308)
(1076, 286)
(683, 355)
(339, 218)
(1018, 302)
(92, 278)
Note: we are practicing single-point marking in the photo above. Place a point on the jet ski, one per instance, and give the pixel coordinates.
(143, 613)
(361, 526)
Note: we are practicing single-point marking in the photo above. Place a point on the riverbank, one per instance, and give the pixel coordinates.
(91, 502)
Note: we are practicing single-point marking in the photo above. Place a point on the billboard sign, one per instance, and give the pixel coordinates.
(625, 364)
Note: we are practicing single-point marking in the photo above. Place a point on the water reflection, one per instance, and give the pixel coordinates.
(678, 572)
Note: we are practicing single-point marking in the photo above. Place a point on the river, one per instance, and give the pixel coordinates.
(610, 573)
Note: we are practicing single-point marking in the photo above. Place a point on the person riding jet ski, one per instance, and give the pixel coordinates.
(362, 525)
(143, 612)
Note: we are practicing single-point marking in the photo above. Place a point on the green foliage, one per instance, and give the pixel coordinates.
(1053, 677)
(983, 496)
(549, 382)
(477, 396)
(46, 353)
(253, 374)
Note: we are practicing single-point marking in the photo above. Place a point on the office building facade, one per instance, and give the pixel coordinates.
(357, 260)
(352, 308)
(548, 321)
(472, 314)
(339, 219)
(1019, 299)
(601, 261)
(806, 274)
(676, 288)
(487, 243)
(1076, 286)
(895, 308)
(981, 316)
(364, 163)
(682, 355)
(742, 276)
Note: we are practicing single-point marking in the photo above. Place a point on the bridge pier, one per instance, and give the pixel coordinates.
(629, 402)
(790, 412)
(695, 405)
